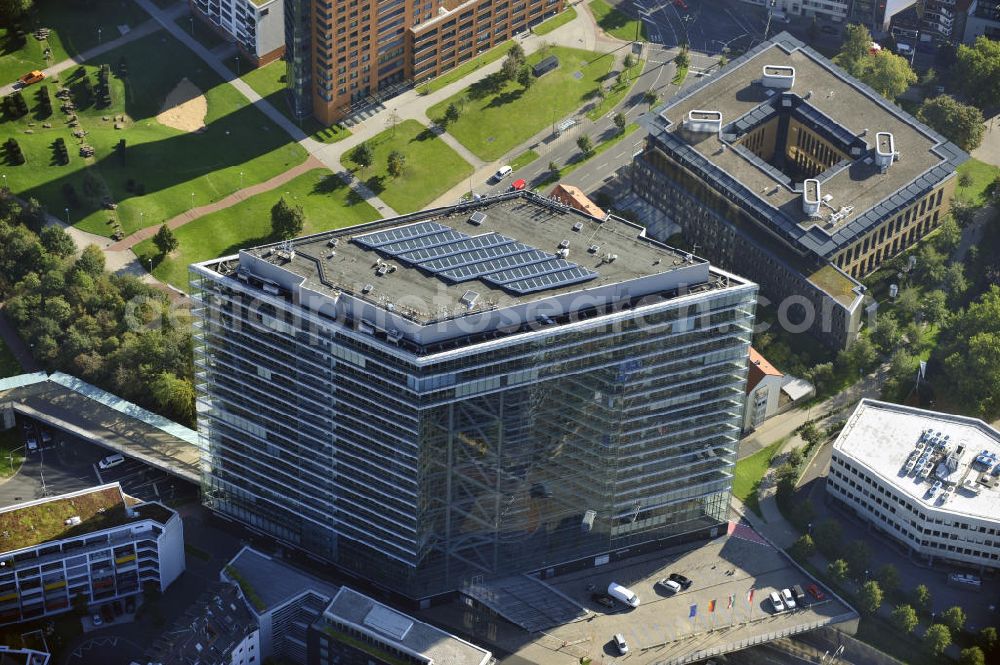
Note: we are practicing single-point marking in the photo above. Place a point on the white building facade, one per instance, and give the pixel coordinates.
(930, 480)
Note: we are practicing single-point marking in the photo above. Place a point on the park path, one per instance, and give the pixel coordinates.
(236, 197)
(147, 27)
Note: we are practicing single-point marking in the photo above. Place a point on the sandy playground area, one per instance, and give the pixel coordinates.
(185, 108)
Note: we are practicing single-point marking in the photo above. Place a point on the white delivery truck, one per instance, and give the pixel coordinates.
(618, 592)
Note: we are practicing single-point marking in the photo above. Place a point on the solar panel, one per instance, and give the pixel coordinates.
(398, 249)
(482, 265)
(462, 243)
(531, 270)
(555, 280)
(380, 238)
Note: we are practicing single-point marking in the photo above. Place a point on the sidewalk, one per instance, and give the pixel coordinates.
(147, 27)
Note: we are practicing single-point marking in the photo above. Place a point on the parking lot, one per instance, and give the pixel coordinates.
(708, 26)
(668, 626)
(59, 462)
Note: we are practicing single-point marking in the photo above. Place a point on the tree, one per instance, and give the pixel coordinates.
(11, 10)
(857, 47)
(922, 597)
(858, 555)
(969, 351)
(908, 302)
(977, 68)
(887, 73)
(723, 61)
(955, 283)
(510, 68)
(91, 260)
(628, 62)
(949, 234)
(960, 123)
(804, 547)
(287, 220)
(904, 617)
(554, 168)
(954, 618)
(930, 264)
(870, 597)
(683, 59)
(888, 578)
(988, 639)
(525, 77)
(828, 534)
(451, 115)
(837, 570)
(620, 122)
(886, 333)
(937, 639)
(165, 240)
(972, 656)
(585, 145)
(363, 156)
(57, 242)
(650, 97)
(396, 163)
(516, 53)
(860, 355)
(175, 396)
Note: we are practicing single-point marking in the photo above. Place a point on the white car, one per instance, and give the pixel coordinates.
(776, 602)
(621, 644)
(786, 595)
(111, 461)
(31, 443)
(670, 585)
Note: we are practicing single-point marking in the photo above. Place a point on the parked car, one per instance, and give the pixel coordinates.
(625, 595)
(46, 436)
(799, 594)
(786, 595)
(680, 4)
(621, 644)
(502, 173)
(30, 78)
(518, 185)
(776, 602)
(97, 619)
(815, 592)
(680, 579)
(603, 599)
(670, 585)
(31, 443)
(111, 461)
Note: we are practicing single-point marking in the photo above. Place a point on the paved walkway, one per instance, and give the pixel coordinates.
(989, 150)
(145, 28)
(236, 197)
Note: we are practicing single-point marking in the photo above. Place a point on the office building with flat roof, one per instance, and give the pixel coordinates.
(256, 27)
(471, 391)
(96, 543)
(357, 630)
(930, 480)
(785, 169)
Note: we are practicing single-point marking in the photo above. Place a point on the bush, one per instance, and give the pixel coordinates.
(988, 639)
(904, 617)
(837, 569)
(954, 618)
(937, 639)
(870, 597)
(13, 151)
(972, 656)
(804, 547)
(922, 598)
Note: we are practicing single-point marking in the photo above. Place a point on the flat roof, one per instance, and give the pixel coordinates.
(391, 627)
(881, 437)
(839, 106)
(268, 583)
(208, 631)
(45, 520)
(96, 415)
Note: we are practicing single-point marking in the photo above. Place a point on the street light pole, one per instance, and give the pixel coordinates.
(67, 216)
(237, 65)
(98, 35)
(192, 200)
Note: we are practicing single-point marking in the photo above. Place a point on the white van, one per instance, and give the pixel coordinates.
(111, 461)
(618, 592)
(502, 173)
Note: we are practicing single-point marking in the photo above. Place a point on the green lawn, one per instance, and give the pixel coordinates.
(11, 452)
(432, 168)
(982, 175)
(161, 167)
(490, 125)
(465, 69)
(73, 28)
(556, 21)
(616, 23)
(617, 93)
(328, 204)
(523, 159)
(680, 75)
(8, 364)
(269, 82)
(749, 472)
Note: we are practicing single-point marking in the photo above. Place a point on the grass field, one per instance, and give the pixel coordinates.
(8, 364)
(523, 159)
(11, 452)
(432, 168)
(269, 82)
(490, 125)
(327, 201)
(161, 167)
(617, 93)
(982, 175)
(557, 21)
(616, 23)
(465, 69)
(750, 471)
(73, 28)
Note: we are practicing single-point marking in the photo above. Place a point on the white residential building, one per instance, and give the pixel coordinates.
(257, 27)
(931, 480)
(98, 543)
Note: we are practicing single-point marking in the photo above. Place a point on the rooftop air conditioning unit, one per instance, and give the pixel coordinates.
(811, 197)
(885, 150)
(778, 76)
(708, 122)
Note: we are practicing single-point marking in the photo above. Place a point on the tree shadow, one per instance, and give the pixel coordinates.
(329, 184)
(376, 184)
(506, 97)
(426, 135)
(13, 41)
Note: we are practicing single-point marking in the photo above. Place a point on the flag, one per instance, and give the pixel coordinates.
(694, 612)
(923, 368)
(711, 606)
(750, 597)
(732, 601)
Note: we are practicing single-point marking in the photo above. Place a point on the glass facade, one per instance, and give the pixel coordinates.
(424, 472)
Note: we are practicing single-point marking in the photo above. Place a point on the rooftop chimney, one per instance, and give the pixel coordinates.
(885, 150)
(709, 122)
(811, 197)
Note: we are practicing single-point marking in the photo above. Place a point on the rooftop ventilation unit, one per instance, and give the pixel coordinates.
(469, 299)
(578, 226)
(564, 244)
(885, 151)
(477, 218)
(811, 197)
(367, 288)
(709, 122)
(332, 242)
(593, 249)
(778, 76)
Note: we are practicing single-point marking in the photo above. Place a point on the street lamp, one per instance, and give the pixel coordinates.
(98, 35)
(192, 25)
(141, 215)
(241, 179)
(67, 216)
(192, 200)
(4, 176)
(150, 265)
(237, 65)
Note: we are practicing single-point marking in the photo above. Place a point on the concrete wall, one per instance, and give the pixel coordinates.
(171, 551)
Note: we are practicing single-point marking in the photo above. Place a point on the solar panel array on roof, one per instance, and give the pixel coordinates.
(491, 257)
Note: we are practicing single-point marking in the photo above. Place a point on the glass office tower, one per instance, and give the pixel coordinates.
(424, 448)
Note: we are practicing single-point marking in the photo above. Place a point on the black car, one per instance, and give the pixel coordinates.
(680, 579)
(603, 599)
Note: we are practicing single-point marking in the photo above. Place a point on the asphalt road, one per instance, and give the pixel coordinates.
(708, 26)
